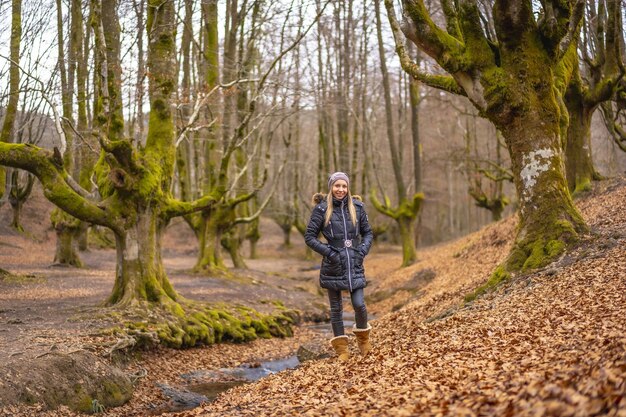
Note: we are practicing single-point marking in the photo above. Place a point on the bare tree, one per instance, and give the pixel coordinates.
(14, 85)
(509, 79)
(406, 212)
(593, 80)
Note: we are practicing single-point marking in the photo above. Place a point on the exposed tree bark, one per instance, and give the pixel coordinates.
(17, 197)
(512, 84)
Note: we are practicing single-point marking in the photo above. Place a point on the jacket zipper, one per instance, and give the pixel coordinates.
(345, 236)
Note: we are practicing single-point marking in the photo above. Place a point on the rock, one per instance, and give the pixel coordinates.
(80, 380)
(311, 352)
(181, 397)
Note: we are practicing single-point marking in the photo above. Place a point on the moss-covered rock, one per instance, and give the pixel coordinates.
(77, 380)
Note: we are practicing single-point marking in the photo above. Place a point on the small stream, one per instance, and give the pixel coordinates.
(202, 386)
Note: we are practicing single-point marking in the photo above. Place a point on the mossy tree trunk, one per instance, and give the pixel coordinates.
(140, 276)
(66, 232)
(210, 258)
(65, 226)
(406, 213)
(84, 157)
(10, 112)
(578, 160)
(18, 194)
(549, 221)
(588, 89)
(511, 83)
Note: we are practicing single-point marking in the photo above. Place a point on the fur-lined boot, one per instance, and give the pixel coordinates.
(340, 344)
(363, 339)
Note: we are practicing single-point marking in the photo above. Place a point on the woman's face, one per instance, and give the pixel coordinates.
(340, 189)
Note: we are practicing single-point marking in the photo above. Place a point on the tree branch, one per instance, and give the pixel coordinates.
(256, 215)
(572, 30)
(54, 179)
(419, 28)
(442, 82)
(175, 208)
(384, 209)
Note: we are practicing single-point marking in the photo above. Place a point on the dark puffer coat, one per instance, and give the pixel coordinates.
(342, 265)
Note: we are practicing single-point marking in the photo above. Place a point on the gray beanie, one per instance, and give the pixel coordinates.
(338, 176)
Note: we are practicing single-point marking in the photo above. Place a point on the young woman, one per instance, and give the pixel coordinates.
(342, 220)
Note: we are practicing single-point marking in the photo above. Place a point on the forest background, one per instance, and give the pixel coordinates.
(132, 114)
(245, 99)
(321, 107)
(215, 112)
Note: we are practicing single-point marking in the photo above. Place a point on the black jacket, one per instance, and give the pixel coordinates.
(342, 265)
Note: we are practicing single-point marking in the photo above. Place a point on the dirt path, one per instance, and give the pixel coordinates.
(49, 309)
(39, 308)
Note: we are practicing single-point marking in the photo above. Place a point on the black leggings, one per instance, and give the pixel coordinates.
(336, 310)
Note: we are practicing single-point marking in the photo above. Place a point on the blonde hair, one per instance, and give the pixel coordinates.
(329, 208)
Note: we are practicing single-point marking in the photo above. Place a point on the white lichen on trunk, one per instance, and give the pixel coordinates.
(534, 164)
(131, 247)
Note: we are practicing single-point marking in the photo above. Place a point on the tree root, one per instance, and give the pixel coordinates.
(188, 324)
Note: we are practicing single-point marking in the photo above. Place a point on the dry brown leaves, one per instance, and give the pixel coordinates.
(549, 344)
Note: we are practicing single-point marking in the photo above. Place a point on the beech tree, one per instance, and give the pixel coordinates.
(406, 212)
(14, 84)
(593, 80)
(134, 183)
(614, 116)
(509, 76)
(486, 177)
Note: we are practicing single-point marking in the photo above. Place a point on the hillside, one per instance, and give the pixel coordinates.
(552, 342)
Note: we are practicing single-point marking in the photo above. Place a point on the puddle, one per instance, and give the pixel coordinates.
(205, 385)
(244, 373)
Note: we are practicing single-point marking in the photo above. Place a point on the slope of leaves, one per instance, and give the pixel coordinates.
(552, 342)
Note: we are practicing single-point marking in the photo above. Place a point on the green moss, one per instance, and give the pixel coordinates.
(498, 276)
(9, 278)
(83, 404)
(190, 324)
(115, 396)
(538, 253)
(583, 185)
(152, 291)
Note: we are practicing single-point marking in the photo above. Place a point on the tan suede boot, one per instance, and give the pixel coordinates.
(363, 339)
(340, 344)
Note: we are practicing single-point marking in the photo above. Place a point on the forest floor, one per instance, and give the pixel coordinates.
(549, 342)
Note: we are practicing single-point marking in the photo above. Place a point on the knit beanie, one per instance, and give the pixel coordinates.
(338, 176)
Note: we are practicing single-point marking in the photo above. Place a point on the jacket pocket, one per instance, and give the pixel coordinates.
(332, 266)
